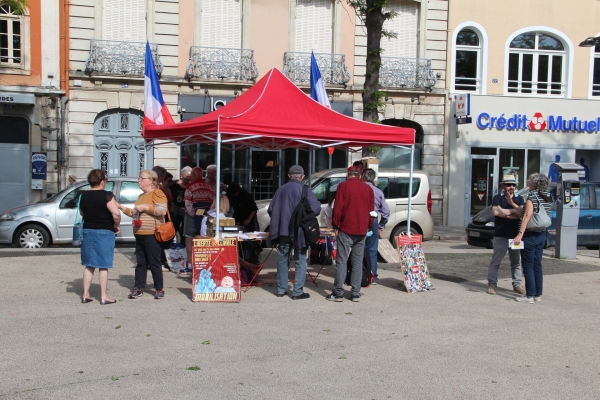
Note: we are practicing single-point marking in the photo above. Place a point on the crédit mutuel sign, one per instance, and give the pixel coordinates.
(538, 122)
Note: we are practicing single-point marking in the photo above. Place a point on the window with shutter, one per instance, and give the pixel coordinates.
(124, 20)
(406, 25)
(314, 26)
(222, 23)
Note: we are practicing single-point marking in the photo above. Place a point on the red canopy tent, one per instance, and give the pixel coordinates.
(275, 114)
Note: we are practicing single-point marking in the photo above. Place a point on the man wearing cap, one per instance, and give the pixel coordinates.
(281, 208)
(354, 202)
(507, 207)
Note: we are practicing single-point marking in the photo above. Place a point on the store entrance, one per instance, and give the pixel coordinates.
(483, 183)
(264, 174)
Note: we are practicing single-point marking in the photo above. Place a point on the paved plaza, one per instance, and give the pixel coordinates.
(453, 342)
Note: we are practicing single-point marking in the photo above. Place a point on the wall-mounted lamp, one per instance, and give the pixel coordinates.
(236, 93)
(438, 75)
(389, 98)
(206, 92)
(590, 42)
(417, 99)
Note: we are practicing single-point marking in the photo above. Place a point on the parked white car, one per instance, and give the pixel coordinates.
(393, 183)
(51, 221)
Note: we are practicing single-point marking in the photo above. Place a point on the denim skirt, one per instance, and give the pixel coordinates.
(98, 248)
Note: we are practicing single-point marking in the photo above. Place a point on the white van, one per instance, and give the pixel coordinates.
(394, 185)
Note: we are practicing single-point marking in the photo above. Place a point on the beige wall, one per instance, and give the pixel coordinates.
(576, 19)
(269, 25)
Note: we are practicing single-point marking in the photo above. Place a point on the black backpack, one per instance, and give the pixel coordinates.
(367, 274)
(305, 218)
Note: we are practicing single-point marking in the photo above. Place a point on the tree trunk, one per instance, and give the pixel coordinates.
(374, 20)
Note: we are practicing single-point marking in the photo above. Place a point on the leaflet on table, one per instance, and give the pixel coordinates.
(514, 246)
(216, 275)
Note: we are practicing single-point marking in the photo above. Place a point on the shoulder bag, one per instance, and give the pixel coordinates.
(165, 232)
(540, 220)
(78, 227)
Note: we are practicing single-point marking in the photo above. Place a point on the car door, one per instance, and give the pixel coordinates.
(129, 191)
(387, 184)
(323, 190)
(66, 209)
(585, 228)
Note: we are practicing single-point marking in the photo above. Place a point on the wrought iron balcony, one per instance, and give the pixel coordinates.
(221, 63)
(111, 57)
(406, 73)
(296, 66)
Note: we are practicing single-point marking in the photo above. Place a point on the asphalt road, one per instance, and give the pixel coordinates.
(453, 342)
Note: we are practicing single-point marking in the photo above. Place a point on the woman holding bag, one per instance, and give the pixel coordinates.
(533, 234)
(101, 222)
(148, 214)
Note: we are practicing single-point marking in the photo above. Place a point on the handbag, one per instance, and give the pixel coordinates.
(540, 220)
(165, 232)
(77, 227)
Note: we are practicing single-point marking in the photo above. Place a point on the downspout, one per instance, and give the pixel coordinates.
(64, 45)
(63, 102)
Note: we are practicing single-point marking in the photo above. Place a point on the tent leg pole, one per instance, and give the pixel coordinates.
(218, 189)
(310, 157)
(410, 182)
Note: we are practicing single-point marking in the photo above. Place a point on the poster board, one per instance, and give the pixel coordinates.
(413, 265)
(215, 271)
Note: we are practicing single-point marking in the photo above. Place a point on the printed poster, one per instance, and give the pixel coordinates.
(215, 276)
(413, 265)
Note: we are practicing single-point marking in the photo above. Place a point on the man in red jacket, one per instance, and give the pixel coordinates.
(354, 202)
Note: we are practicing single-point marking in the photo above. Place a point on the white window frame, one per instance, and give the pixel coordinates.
(593, 56)
(483, 56)
(567, 76)
(10, 18)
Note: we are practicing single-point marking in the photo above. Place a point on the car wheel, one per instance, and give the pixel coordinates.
(399, 229)
(32, 237)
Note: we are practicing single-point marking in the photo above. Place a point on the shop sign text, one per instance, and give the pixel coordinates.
(537, 123)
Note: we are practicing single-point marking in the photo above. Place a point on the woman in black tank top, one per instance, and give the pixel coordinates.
(101, 222)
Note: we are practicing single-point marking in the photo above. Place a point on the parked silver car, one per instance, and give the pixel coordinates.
(393, 183)
(51, 221)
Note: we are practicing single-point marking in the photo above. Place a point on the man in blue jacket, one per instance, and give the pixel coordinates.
(281, 208)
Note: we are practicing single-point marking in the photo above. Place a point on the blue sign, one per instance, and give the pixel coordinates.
(38, 165)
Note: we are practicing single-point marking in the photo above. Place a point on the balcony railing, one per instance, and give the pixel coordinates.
(221, 63)
(406, 73)
(111, 57)
(296, 66)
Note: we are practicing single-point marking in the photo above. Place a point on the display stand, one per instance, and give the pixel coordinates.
(215, 274)
(412, 264)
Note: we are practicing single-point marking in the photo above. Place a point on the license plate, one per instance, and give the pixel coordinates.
(473, 233)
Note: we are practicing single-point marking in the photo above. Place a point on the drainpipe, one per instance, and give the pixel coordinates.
(63, 102)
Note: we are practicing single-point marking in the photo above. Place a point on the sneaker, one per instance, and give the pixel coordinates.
(165, 269)
(491, 289)
(135, 293)
(301, 296)
(355, 298)
(333, 297)
(525, 299)
(374, 283)
(185, 271)
(160, 294)
(520, 290)
(537, 298)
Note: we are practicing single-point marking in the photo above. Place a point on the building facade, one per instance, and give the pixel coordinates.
(534, 96)
(30, 103)
(208, 52)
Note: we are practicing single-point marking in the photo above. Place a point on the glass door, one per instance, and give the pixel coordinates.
(264, 173)
(483, 183)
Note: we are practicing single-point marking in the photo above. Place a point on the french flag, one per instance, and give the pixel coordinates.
(317, 88)
(155, 109)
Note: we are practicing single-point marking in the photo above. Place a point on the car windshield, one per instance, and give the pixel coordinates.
(53, 198)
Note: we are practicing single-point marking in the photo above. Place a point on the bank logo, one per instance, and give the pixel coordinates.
(538, 122)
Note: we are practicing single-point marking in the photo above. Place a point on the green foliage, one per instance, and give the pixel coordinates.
(194, 368)
(18, 6)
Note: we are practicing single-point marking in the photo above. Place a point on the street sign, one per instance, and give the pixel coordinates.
(463, 105)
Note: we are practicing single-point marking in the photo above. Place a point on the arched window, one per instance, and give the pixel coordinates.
(10, 37)
(596, 73)
(467, 70)
(536, 65)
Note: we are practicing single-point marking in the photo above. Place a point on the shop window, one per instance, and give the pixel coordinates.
(467, 74)
(536, 65)
(11, 27)
(15, 130)
(596, 72)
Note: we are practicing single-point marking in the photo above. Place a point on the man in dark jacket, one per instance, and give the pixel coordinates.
(281, 208)
(354, 202)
